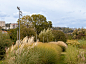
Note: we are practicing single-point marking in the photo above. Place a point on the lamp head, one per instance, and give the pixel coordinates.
(18, 8)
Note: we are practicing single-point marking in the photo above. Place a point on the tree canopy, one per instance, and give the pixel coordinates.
(36, 21)
(5, 42)
(79, 33)
(59, 35)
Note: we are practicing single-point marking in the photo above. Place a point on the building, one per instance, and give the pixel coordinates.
(2, 23)
(8, 25)
(11, 26)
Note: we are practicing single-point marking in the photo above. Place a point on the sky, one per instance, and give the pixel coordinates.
(62, 13)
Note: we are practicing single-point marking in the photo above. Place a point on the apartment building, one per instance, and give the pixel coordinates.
(11, 26)
(2, 23)
(8, 25)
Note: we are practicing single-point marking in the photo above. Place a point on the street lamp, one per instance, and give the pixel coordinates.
(43, 34)
(47, 34)
(20, 13)
(36, 34)
(47, 38)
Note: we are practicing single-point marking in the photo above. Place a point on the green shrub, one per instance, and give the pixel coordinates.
(79, 33)
(71, 55)
(69, 36)
(4, 43)
(74, 55)
(13, 34)
(45, 54)
(82, 44)
(24, 32)
(42, 53)
(59, 36)
(73, 42)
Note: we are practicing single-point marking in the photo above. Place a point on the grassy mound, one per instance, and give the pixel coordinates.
(61, 44)
(42, 53)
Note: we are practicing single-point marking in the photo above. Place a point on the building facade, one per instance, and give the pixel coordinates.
(8, 25)
(2, 23)
(11, 26)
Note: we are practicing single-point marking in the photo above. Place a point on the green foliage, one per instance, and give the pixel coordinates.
(64, 29)
(82, 44)
(43, 53)
(79, 33)
(0, 28)
(71, 55)
(40, 22)
(73, 42)
(59, 36)
(27, 32)
(4, 43)
(3, 62)
(23, 33)
(47, 35)
(13, 34)
(37, 21)
(75, 56)
(47, 54)
(69, 36)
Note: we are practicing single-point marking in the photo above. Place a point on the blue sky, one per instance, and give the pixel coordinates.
(62, 13)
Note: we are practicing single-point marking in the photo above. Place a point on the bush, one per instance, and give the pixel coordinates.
(69, 36)
(75, 56)
(59, 36)
(47, 34)
(73, 42)
(61, 44)
(71, 55)
(23, 33)
(79, 33)
(13, 34)
(41, 53)
(27, 32)
(4, 43)
(45, 54)
(82, 44)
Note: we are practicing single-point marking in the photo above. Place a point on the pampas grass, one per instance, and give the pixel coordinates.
(33, 53)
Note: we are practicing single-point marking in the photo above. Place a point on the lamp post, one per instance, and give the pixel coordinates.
(47, 38)
(43, 38)
(20, 13)
(36, 34)
(47, 34)
(17, 34)
(43, 34)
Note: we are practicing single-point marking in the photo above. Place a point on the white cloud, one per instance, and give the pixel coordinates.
(61, 12)
(3, 14)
